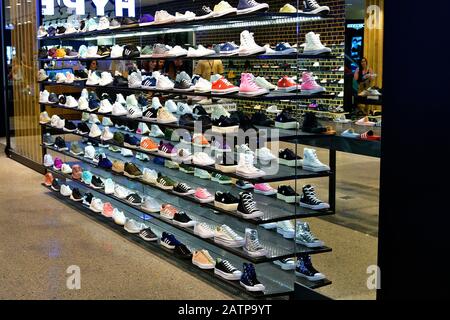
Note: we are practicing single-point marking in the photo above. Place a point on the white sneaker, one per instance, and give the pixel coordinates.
(135, 79)
(118, 217)
(93, 118)
(103, 23)
(164, 83)
(263, 83)
(228, 237)
(42, 75)
(116, 51)
(163, 16)
(48, 160)
(109, 186)
(134, 112)
(95, 131)
(132, 226)
(66, 169)
(121, 192)
(170, 105)
(187, 16)
(92, 52)
(60, 77)
(273, 109)
(84, 93)
(70, 78)
(311, 162)
(105, 106)
(83, 103)
(204, 230)
(265, 154)
(120, 99)
(155, 131)
(183, 108)
(149, 175)
(201, 158)
(143, 128)
(44, 117)
(106, 79)
(176, 51)
(248, 45)
(118, 109)
(202, 85)
(106, 134)
(89, 152)
(65, 190)
(43, 96)
(156, 104)
(71, 102)
(57, 122)
(93, 79)
(286, 229)
(96, 205)
(313, 45)
(201, 51)
(245, 167)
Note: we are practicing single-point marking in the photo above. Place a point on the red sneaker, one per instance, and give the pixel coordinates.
(223, 86)
(369, 136)
(287, 84)
(48, 179)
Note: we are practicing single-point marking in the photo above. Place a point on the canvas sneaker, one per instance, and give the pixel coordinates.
(183, 220)
(287, 194)
(309, 200)
(309, 84)
(247, 206)
(305, 269)
(162, 17)
(165, 182)
(311, 162)
(228, 49)
(288, 157)
(223, 86)
(202, 195)
(287, 84)
(263, 83)
(168, 211)
(225, 201)
(312, 7)
(223, 8)
(226, 236)
(204, 230)
(226, 270)
(246, 168)
(176, 51)
(249, 280)
(249, 87)
(304, 236)
(285, 121)
(264, 189)
(220, 178)
(313, 45)
(201, 51)
(249, 6)
(286, 229)
(202, 159)
(160, 50)
(202, 85)
(248, 45)
(244, 185)
(252, 245)
(285, 264)
(265, 155)
(202, 174)
(164, 83)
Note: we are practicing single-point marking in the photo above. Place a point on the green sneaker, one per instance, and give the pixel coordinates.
(114, 148)
(118, 137)
(186, 168)
(85, 117)
(142, 156)
(200, 173)
(164, 182)
(147, 52)
(217, 177)
(171, 165)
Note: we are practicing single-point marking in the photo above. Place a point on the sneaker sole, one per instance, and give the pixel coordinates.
(259, 7)
(184, 224)
(225, 275)
(184, 194)
(131, 231)
(202, 266)
(207, 200)
(315, 169)
(288, 89)
(286, 234)
(76, 200)
(288, 199)
(225, 129)
(314, 91)
(224, 13)
(165, 245)
(286, 125)
(221, 182)
(284, 52)
(253, 289)
(315, 52)
(322, 206)
(164, 187)
(202, 235)
(291, 163)
(252, 176)
(126, 174)
(250, 215)
(255, 254)
(227, 91)
(310, 245)
(227, 207)
(284, 266)
(230, 245)
(314, 278)
(148, 239)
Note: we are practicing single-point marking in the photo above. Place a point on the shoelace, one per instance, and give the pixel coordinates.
(312, 3)
(254, 241)
(311, 195)
(248, 39)
(230, 232)
(249, 203)
(228, 265)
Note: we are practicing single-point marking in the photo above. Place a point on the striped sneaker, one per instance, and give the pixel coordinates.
(165, 182)
(134, 199)
(183, 189)
(168, 211)
(169, 241)
(148, 144)
(166, 149)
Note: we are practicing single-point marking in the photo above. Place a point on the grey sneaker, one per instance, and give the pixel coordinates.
(146, 52)
(183, 82)
(76, 149)
(114, 23)
(304, 236)
(48, 139)
(252, 246)
(159, 50)
(151, 205)
(133, 226)
(218, 111)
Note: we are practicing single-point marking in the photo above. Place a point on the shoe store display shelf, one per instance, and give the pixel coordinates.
(284, 173)
(277, 282)
(225, 22)
(263, 133)
(276, 246)
(271, 96)
(274, 209)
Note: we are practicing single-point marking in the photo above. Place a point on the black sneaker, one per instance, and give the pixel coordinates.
(260, 119)
(55, 185)
(186, 168)
(183, 189)
(53, 98)
(131, 51)
(186, 120)
(120, 81)
(103, 51)
(183, 252)
(148, 235)
(182, 219)
(312, 7)
(226, 201)
(150, 114)
(83, 128)
(204, 13)
(246, 124)
(247, 206)
(183, 84)
(311, 125)
(69, 126)
(226, 270)
(287, 194)
(199, 110)
(288, 157)
(205, 120)
(76, 195)
(285, 121)
(87, 199)
(305, 269)
(60, 144)
(43, 53)
(128, 21)
(62, 99)
(60, 30)
(134, 199)
(81, 74)
(97, 183)
(224, 124)
(309, 200)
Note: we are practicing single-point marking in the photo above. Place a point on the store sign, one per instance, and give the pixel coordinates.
(356, 26)
(48, 7)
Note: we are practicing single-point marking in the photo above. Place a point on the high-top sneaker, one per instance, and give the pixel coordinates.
(312, 7)
(285, 121)
(246, 168)
(248, 6)
(252, 246)
(248, 86)
(247, 206)
(311, 124)
(305, 269)
(313, 45)
(304, 236)
(309, 85)
(311, 162)
(308, 199)
(249, 280)
(248, 45)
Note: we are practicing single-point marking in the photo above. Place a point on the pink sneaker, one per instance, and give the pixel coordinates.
(57, 164)
(309, 85)
(167, 211)
(265, 189)
(203, 195)
(248, 86)
(107, 210)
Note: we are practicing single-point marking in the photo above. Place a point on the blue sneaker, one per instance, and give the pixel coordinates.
(229, 49)
(142, 156)
(86, 177)
(249, 6)
(142, 101)
(94, 104)
(169, 241)
(305, 269)
(249, 280)
(130, 141)
(350, 133)
(284, 48)
(149, 82)
(104, 162)
(159, 160)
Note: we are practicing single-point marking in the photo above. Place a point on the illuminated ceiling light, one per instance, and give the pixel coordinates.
(8, 7)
